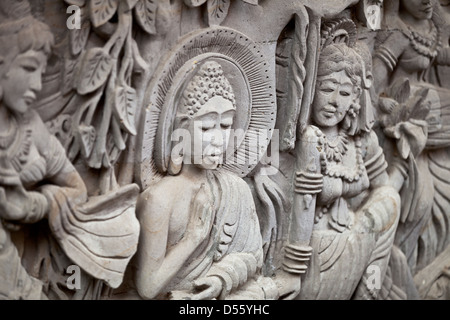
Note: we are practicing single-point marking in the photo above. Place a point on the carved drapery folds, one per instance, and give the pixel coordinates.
(224, 149)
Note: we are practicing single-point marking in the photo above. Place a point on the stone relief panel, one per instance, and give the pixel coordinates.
(224, 149)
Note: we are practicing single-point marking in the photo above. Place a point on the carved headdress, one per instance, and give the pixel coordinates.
(14, 16)
(13, 10)
(209, 81)
(21, 30)
(341, 51)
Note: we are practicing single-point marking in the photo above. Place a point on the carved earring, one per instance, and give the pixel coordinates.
(354, 109)
(175, 165)
(350, 122)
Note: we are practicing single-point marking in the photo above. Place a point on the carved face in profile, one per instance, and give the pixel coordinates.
(27, 43)
(22, 80)
(419, 9)
(333, 97)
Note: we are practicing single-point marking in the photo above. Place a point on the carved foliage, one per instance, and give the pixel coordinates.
(125, 107)
(216, 10)
(95, 69)
(79, 37)
(145, 13)
(102, 11)
(101, 76)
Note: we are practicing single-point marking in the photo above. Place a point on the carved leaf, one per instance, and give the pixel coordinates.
(194, 3)
(87, 138)
(102, 11)
(95, 69)
(252, 2)
(125, 104)
(404, 148)
(401, 91)
(217, 11)
(79, 37)
(145, 12)
(131, 3)
(421, 107)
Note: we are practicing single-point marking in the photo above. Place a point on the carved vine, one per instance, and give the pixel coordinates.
(103, 57)
(216, 10)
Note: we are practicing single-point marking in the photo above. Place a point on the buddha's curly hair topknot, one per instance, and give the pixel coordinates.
(206, 84)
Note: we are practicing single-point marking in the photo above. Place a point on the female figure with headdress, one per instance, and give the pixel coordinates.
(200, 233)
(343, 209)
(38, 182)
(28, 153)
(415, 115)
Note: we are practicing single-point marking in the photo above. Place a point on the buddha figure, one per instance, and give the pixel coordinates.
(200, 234)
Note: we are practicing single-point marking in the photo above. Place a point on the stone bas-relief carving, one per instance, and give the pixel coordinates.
(228, 149)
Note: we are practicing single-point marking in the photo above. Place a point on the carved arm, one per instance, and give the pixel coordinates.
(443, 57)
(386, 58)
(308, 182)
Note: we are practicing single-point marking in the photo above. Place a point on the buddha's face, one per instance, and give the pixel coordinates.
(333, 97)
(209, 133)
(419, 9)
(23, 80)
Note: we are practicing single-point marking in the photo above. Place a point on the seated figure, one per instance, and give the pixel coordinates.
(200, 234)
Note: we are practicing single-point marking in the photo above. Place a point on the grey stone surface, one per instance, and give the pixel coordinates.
(224, 149)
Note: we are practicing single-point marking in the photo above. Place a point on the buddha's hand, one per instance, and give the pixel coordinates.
(207, 288)
(289, 284)
(201, 219)
(17, 204)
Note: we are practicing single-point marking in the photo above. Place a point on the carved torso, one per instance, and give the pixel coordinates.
(33, 153)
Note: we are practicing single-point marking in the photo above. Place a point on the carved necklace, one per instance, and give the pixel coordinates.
(425, 46)
(337, 152)
(20, 157)
(17, 142)
(7, 139)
